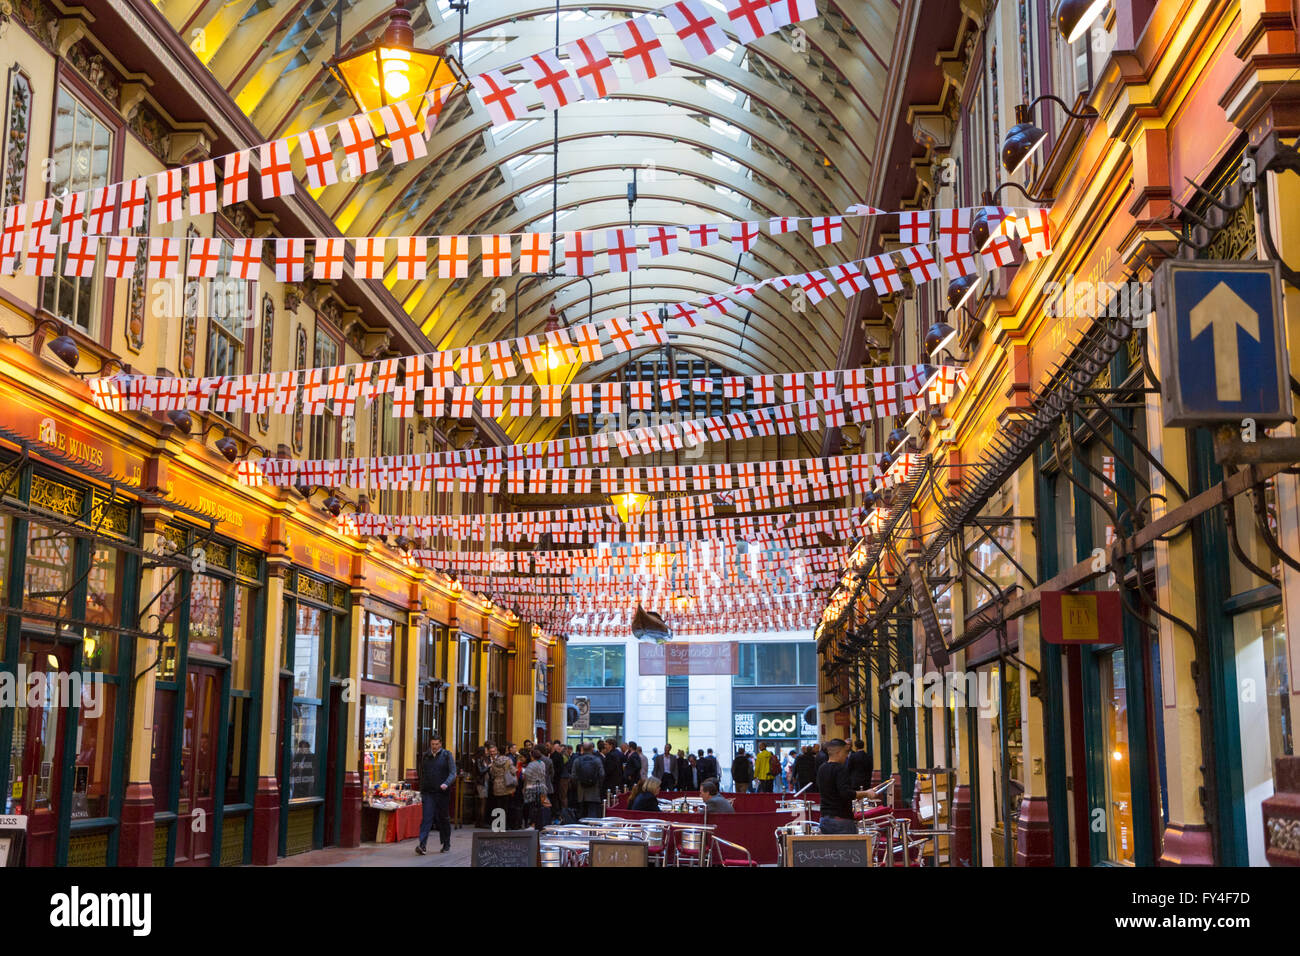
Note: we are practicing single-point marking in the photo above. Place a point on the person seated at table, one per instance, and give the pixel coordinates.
(646, 796)
(713, 801)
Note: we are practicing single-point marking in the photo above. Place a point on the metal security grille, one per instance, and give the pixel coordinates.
(160, 834)
(90, 849)
(301, 823)
(232, 841)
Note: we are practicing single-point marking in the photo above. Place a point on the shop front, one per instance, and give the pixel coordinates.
(70, 564)
(206, 700)
(316, 617)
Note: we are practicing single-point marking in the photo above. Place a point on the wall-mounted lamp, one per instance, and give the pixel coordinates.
(63, 345)
(961, 289)
(1074, 17)
(1024, 139)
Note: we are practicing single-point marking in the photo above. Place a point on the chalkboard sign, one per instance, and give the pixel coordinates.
(510, 848)
(625, 853)
(850, 849)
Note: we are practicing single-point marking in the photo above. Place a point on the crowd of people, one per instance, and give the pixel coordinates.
(537, 783)
(768, 771)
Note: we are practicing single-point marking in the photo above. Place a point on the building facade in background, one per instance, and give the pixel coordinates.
(1054, 470)
(631, 698)
(251, 675)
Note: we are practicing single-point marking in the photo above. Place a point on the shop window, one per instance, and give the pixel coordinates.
(306, 652)
(237, 749)
(241, 645)
(103, 603)
(207, 599)
(49, 574)
(93, 763)
(81, 157)
(776, 663)
(383, 639)
(382, 755)
(597, 665)
(6, 536)
(1265, 719)
(1119, 789)
(341, 646)
(304, 775)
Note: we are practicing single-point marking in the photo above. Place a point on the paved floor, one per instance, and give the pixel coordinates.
(389, 854)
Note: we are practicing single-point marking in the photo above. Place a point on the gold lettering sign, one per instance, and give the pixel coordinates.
(50, 434)
(1079, 617)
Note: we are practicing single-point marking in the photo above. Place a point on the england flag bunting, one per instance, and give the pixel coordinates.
(593, 67)
(749, 19)
(499, 97)
(696, 27)
(642, 51)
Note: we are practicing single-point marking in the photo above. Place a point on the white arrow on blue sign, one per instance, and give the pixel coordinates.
(1223, 351)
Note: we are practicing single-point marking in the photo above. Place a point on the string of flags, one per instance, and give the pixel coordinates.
(670, 479)
(422, 391)
(400, 130)
(420, 472)
(678, 519)
(574, 526)
(650, 559)
(408, 258)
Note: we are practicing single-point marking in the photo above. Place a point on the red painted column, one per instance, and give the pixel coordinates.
(1034, 833)
(135, 840)
(350, 831)
(266, 822)
(961, 822)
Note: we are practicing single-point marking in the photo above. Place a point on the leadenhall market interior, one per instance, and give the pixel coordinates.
(690, 433)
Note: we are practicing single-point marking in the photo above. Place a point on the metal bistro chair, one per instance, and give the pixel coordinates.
(718, 855)
(690, 846)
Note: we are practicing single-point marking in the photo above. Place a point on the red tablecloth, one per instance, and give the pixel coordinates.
(400, 824)
(743, 802)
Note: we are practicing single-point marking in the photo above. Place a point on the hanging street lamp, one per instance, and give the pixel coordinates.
(392, 68)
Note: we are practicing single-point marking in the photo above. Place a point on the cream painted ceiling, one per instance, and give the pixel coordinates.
(783, 126)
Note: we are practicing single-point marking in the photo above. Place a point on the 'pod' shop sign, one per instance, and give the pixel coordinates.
(778, 725)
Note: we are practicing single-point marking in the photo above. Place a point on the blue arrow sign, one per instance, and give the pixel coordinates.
(1223, 351)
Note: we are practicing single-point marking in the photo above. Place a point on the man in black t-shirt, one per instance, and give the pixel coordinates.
(837, 790)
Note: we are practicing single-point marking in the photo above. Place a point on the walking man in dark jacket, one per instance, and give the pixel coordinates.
(613, 766)
(632, 761)
(805, 769)
(437, 774)
(562, 775)
(587, 774)
(707, 767)
(742, 771)
(860, 765)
